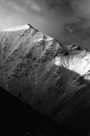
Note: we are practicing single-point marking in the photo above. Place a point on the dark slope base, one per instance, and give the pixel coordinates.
(17, 118)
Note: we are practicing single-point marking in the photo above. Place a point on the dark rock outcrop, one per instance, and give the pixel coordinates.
(51, 78)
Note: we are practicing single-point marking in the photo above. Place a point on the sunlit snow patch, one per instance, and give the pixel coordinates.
(57, 61)
(17, 28)
(76, 64)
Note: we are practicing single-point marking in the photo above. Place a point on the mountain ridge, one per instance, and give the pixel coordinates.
(43, 73)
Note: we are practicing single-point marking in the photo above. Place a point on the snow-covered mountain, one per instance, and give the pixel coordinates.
(52, 78)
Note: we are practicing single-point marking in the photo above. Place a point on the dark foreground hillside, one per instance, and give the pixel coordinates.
(19, 119)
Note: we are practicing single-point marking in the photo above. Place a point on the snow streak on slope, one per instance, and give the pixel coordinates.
(17, 28)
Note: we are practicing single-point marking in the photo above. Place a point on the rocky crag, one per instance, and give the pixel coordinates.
(51, 78)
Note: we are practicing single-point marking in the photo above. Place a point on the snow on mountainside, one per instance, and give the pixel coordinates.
(51, 78)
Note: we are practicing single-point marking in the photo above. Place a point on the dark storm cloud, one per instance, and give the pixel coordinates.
(61, 6)
(76, 24)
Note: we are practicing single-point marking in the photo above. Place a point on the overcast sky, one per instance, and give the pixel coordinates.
(66, 20)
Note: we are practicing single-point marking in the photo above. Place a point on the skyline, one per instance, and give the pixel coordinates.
(68, 21)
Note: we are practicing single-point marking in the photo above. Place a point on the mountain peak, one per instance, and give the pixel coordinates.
(52, 78)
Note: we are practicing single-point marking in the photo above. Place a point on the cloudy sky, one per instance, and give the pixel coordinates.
(66, 20)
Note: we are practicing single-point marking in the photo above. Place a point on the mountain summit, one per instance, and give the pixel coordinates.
(51, 78)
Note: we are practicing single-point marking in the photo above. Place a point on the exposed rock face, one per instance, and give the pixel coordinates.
(51, 78)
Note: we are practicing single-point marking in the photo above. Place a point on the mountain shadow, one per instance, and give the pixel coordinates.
(19, 119)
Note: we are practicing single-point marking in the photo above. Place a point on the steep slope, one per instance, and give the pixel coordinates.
(51, 78)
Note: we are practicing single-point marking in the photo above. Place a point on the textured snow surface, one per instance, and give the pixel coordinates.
(78, 63)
